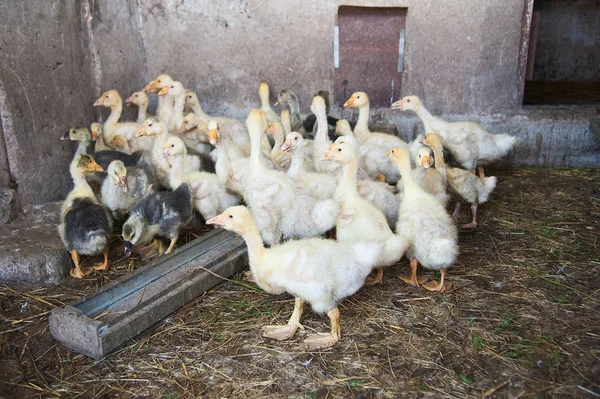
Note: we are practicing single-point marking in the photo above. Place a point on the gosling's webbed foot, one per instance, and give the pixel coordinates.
(100, 266)
(281, 333)
(376, 277)
(320, 340)
(79, 272)
(247, 276)
(438, 286)
(471, 225)
(413, 280)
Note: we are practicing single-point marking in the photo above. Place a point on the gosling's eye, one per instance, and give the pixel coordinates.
(407, 101)
(159, 81)
(357, 97)
(339, 150)
(230, 216)
(296, 138)
(172, 145)
(172, 87)
(150, 125)
(105, 96)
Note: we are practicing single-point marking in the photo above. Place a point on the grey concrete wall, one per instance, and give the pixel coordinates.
(568, 44)
(223, 49)
(117, 44)
(44, 89)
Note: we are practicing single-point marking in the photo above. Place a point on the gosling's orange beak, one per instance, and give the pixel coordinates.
(218, 220)
(164, 91)
(425, 162)
(99, 102)
(123, 183)
(129, 101)
(94, 167)
(213, 137)
(165, 153)
(66, 136)
(286, 146)
(182, 128)
(328, 156)
(150, 87)
(398, 104)
(349, 103)
(141, 132)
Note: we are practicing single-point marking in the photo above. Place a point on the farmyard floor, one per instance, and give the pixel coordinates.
(522, 320)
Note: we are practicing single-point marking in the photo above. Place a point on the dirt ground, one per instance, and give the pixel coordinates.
(521, 320)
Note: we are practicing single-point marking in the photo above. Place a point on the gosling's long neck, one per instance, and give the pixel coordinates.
(256, 248)
(115, 113)
(294, 109)
(81, 147)
(361, 130)
(439, 158)
(430, 122)
(286, 123)
(255, 146)
(403, 166)
(297, 164)
(177, 175)
(142, 112)
(197, 109)
(264, 101)
(159, 142)
(164, 108)
(347, 183)
(179, 104)
(278, 134)
(321, 136)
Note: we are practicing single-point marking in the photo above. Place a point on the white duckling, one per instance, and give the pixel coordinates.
(210, 198)
(464, 185)
(359, 219)
(280, 159)
(120, 135)
(362, 132)
(176, 91)
(469, 142)
(429, 178)
(139, 99)
(320, 272)
(164, 110)
(282, 208)
(424, 223)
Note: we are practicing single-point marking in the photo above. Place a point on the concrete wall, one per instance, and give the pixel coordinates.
(44, 90)
(568, 40)
(223, 49)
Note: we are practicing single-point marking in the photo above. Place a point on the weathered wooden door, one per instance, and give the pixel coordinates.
(370, 57)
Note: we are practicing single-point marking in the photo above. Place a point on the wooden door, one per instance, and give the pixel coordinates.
(369, 55)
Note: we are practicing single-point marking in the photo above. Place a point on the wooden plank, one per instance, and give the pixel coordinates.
(98, 324)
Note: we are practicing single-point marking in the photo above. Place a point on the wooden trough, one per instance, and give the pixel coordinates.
(99, 323)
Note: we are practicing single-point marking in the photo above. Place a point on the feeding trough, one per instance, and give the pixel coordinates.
(97, 324)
